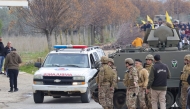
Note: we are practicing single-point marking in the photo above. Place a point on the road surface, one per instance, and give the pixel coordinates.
(53, 103)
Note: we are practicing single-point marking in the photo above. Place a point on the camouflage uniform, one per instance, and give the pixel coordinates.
(114, 86)
(185, 85)
(148, 68)
(104, 81)
(143, 81)
(130, 78)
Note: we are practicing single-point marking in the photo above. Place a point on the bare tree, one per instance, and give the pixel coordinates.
(46, 15)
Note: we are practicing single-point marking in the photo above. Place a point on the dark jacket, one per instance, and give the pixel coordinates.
(2, 51)
(158, 76)
(12, 61)
(148, 26)
(8, 50)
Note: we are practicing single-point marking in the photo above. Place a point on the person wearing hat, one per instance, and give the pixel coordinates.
(143, 82)
(12, 62)
(188, 93)
(148, 65)
(159, 74)
(114, 86)
(131, 82)
(185, 81)
(105, 84)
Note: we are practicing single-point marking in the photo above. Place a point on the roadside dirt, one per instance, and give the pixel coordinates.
(24, 86)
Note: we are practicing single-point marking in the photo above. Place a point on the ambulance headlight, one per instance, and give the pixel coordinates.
(78, 78)
(38, 79)
(38, 76)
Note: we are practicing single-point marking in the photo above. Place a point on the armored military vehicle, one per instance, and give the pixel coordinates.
(163, 41)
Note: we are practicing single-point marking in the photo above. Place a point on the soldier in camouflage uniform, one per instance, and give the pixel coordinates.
(184, 76)
(105, 84)
(111, 64)
(149, 63)
(131, 82)
(143, 81)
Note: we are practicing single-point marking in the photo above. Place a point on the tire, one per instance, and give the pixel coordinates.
(95, 95)
(38, 97)
(119, 99)
(169, 99)
(178, 100)
(86, 97)
(56, 96)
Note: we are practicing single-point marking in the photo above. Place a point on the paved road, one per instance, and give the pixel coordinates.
(54, 103)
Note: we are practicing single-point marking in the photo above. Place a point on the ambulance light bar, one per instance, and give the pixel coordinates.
(70, 46)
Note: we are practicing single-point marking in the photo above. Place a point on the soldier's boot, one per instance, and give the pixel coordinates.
(183, 107)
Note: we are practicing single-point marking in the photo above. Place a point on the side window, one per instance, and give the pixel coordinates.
(92, 59)
(96, 56)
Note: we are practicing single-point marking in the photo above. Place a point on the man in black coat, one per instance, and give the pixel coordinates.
(8, 49)
(2, 54)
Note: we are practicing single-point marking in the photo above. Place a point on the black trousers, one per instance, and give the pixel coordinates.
(13, 74)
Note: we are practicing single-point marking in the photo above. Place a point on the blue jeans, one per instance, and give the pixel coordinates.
(1, 62)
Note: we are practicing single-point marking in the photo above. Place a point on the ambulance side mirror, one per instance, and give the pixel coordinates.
(37, 64)
(97, 65)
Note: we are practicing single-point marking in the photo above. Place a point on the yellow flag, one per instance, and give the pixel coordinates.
(138, 25)
(143, 21)
(168, 19)
(150, 20)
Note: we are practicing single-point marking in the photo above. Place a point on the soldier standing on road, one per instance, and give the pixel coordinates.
(184, 76)
(111, 64)
(105, 84)
(159, 74)
(149, 63)
(143, 82)
(131, 82)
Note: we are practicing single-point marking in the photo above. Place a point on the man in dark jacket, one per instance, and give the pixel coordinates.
(2, 54)
(8, 49)
(158, 83)
(12, 62)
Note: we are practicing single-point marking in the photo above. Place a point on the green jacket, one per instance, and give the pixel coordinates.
(12, 61)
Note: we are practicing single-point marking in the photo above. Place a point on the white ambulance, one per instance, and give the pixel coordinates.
(66, 71)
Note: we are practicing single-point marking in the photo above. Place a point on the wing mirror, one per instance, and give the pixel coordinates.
(37, 64)
(96, 65)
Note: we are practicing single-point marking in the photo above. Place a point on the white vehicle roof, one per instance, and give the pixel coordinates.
(83, 50)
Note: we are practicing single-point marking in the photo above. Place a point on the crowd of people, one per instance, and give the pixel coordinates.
(11, 64)
(182, 27)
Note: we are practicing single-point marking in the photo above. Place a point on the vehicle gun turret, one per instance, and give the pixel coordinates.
(162, 39)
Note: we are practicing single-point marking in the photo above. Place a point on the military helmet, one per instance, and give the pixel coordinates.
(129, 61)
(104, 59)
(110, 60)
(149, 56)
(187, 57)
